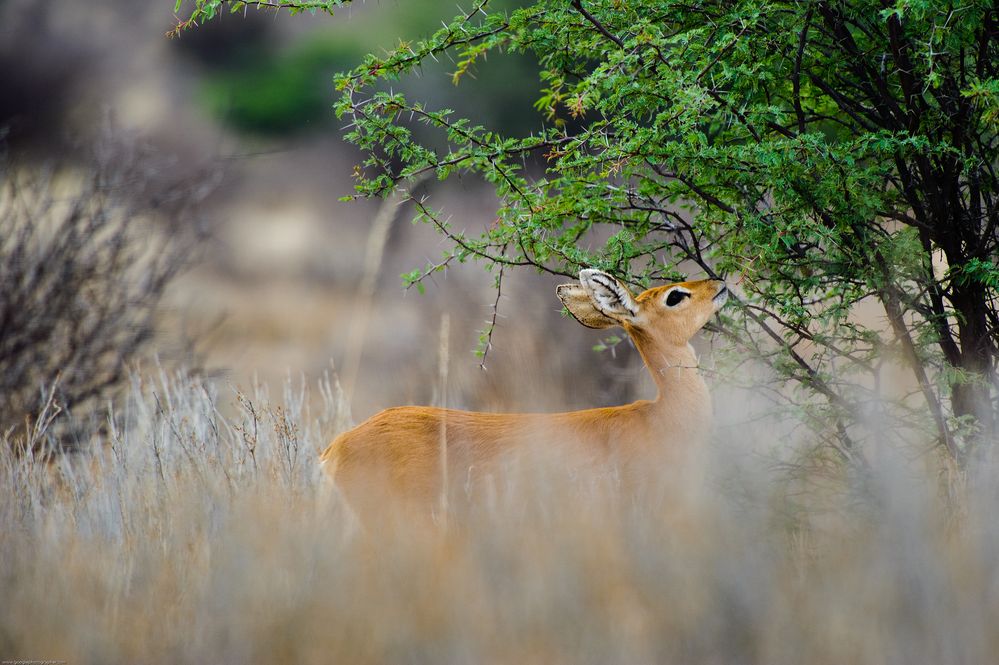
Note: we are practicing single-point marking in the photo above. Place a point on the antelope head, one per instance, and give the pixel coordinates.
(666, 316)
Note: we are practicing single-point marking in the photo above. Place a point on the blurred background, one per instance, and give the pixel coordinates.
(238, 144)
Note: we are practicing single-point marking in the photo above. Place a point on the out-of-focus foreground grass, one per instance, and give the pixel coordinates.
(199, 534)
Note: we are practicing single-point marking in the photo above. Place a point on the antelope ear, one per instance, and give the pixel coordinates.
(580, 305)
(609, 296)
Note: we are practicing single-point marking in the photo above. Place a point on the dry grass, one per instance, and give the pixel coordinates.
(199, 535)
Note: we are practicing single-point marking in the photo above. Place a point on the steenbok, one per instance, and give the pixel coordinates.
(410, 452)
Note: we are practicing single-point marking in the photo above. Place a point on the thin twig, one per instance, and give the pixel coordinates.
(492, 322)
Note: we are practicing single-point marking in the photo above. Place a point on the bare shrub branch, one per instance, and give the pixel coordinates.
(84, 262)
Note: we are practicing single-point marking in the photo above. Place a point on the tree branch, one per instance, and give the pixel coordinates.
(578, 4)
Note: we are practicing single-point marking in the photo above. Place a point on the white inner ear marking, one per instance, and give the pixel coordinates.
(612, 297)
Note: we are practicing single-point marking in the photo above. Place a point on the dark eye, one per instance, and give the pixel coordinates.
(676, 297)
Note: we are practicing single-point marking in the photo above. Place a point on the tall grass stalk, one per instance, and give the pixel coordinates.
(192, 532)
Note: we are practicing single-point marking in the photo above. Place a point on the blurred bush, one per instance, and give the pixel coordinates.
(285, 94)
(81, 274)
(42, 70)
(256, 85)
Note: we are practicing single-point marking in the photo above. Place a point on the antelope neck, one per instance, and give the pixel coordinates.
(673, 368)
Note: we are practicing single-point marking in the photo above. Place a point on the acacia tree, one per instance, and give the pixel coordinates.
(835, 156)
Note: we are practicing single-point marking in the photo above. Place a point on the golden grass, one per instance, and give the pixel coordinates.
(198, 537)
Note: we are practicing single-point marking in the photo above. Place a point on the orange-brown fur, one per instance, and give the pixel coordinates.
(397, 452)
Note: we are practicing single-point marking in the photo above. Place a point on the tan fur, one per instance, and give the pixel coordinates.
(396, 453)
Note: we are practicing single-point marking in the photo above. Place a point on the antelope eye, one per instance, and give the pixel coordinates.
(675, 297)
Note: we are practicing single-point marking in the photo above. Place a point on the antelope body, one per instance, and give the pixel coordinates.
(408, 452)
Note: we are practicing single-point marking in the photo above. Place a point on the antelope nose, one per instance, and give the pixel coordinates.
(722, 294)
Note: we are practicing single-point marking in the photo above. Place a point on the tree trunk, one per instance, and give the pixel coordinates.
(973, 397)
